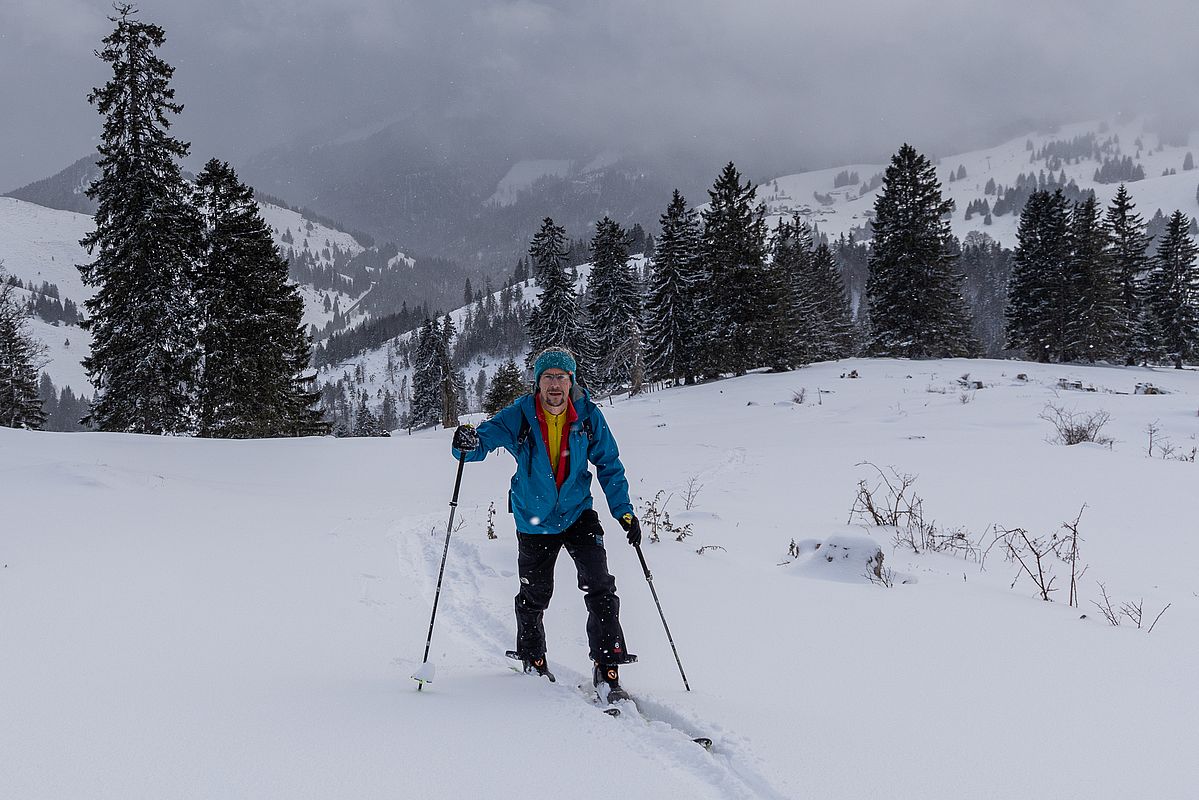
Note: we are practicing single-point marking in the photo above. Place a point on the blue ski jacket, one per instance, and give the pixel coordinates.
(534, 498)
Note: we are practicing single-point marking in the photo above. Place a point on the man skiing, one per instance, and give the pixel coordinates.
(553, 433)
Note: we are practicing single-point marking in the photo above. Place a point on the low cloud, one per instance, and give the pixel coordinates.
(771, 83)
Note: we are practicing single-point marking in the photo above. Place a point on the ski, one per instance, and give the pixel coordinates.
(608, 706)
(614, 710)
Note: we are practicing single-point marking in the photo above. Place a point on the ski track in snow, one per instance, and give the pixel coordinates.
(465, 613)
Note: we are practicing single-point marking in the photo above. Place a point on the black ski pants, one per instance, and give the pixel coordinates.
(538, 552)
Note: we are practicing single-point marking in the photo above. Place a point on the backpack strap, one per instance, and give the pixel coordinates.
(525, 434)
(585, 421)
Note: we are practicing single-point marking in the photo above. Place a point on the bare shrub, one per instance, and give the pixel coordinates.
(1153, 429)
(891, 502)
(798, 396)
(1134, 612)
(883, 577)
(692, 491)
(656, 518)
(1105, 608)
(1031, 553)
(651, 515)
(1164, 448)
(491, 521)
(899, 508)
(1068, 551)
(1071, 427)
(1036, 556)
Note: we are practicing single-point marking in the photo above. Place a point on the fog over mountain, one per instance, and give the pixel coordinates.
(673, 88)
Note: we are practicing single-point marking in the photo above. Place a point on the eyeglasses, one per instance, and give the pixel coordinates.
(563, 378)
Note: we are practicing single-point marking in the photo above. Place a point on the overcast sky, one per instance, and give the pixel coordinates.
(809, 84)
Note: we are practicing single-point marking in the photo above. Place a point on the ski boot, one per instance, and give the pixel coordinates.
(533, 665)
(606, 679)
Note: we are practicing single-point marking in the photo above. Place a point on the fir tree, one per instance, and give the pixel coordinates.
(507, 385)
(673, 285)
(614, 301)
(557, 319)
(20, 359)
(548, 251)
(426, 406)
(1036, 312)
(305, 418)
(142, 316)
(451, 383)
(1094, 314)
(389, 418)
(1128, 245)
(50, 403)
(836, 337)
(365, 421)
(788, 300)
(733, 250)
(252, 336)
(915, 288)
(1174, 291)
(987, 268)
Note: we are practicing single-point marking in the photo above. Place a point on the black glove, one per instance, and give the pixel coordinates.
(632, 528)
(466, 439)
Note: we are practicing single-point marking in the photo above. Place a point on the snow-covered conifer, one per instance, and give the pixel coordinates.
(837, 337)
(142, 316)
(557, 320)
(451, 382)
(613, 300)
(1094, 315)
(1128, 246)
(674, 282)
(426, 407)
(1174, 291)
(255, 347)
(20, 359)
(915, 287)
(733, 249)
(1036, 313)
(507, 385)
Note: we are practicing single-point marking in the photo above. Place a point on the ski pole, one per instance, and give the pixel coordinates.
(649, 578)
(425, 673)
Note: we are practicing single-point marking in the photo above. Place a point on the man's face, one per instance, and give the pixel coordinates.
(555, 388)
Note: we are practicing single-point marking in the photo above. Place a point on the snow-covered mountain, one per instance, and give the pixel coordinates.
(211, 618)
(41, 245)
(840, 200)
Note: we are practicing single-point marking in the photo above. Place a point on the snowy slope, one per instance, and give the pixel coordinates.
(239, 619)
(41, 244)
(849, 208)
(374, 362)
(524, 174)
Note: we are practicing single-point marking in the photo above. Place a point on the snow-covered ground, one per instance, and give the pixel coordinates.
(199, 619)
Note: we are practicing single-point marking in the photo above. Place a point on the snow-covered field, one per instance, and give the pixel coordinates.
(200, 619)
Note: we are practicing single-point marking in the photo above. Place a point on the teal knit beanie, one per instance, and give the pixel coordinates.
(553, 358)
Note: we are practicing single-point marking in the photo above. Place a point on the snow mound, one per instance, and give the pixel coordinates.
(845, 557)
